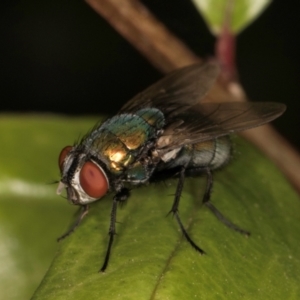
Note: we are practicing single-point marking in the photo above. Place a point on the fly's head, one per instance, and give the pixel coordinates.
(82, 177)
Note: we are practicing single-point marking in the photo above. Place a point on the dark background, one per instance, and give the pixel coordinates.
(60, 56)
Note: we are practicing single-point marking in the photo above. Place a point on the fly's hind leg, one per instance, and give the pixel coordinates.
(206, 201)
(174, 210)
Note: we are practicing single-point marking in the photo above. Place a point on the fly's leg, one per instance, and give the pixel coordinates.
(118, 198)
(174, 210)
(84, 212)
(206, 201)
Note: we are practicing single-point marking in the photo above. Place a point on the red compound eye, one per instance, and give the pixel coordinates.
(62, 156)
(93, 180)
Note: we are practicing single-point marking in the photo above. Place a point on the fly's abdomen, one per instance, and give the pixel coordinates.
(212, 153)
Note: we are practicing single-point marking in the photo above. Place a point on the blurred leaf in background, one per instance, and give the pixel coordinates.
(242, 13)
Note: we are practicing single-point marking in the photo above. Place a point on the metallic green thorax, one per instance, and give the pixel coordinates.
(118, 143)
(119, 140)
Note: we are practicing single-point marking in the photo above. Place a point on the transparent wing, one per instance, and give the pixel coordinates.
(210, 120)
(177, 91)
(178, 95)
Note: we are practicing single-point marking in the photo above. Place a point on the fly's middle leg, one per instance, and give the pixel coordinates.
(174, 210)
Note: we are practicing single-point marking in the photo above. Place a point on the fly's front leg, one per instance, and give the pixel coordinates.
(120, 197)
(206, 201)
(84, 212)
(174, 210)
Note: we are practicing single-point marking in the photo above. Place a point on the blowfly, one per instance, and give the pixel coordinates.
(165, 131)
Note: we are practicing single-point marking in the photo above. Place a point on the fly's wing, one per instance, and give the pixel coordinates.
(177, 91)
(210, 120)
(187, 120)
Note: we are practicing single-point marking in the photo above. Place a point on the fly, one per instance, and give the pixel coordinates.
(165, 131)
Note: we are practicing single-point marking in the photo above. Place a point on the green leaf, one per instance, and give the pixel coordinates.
(241, 13)
(31, 215)
(150, 259)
